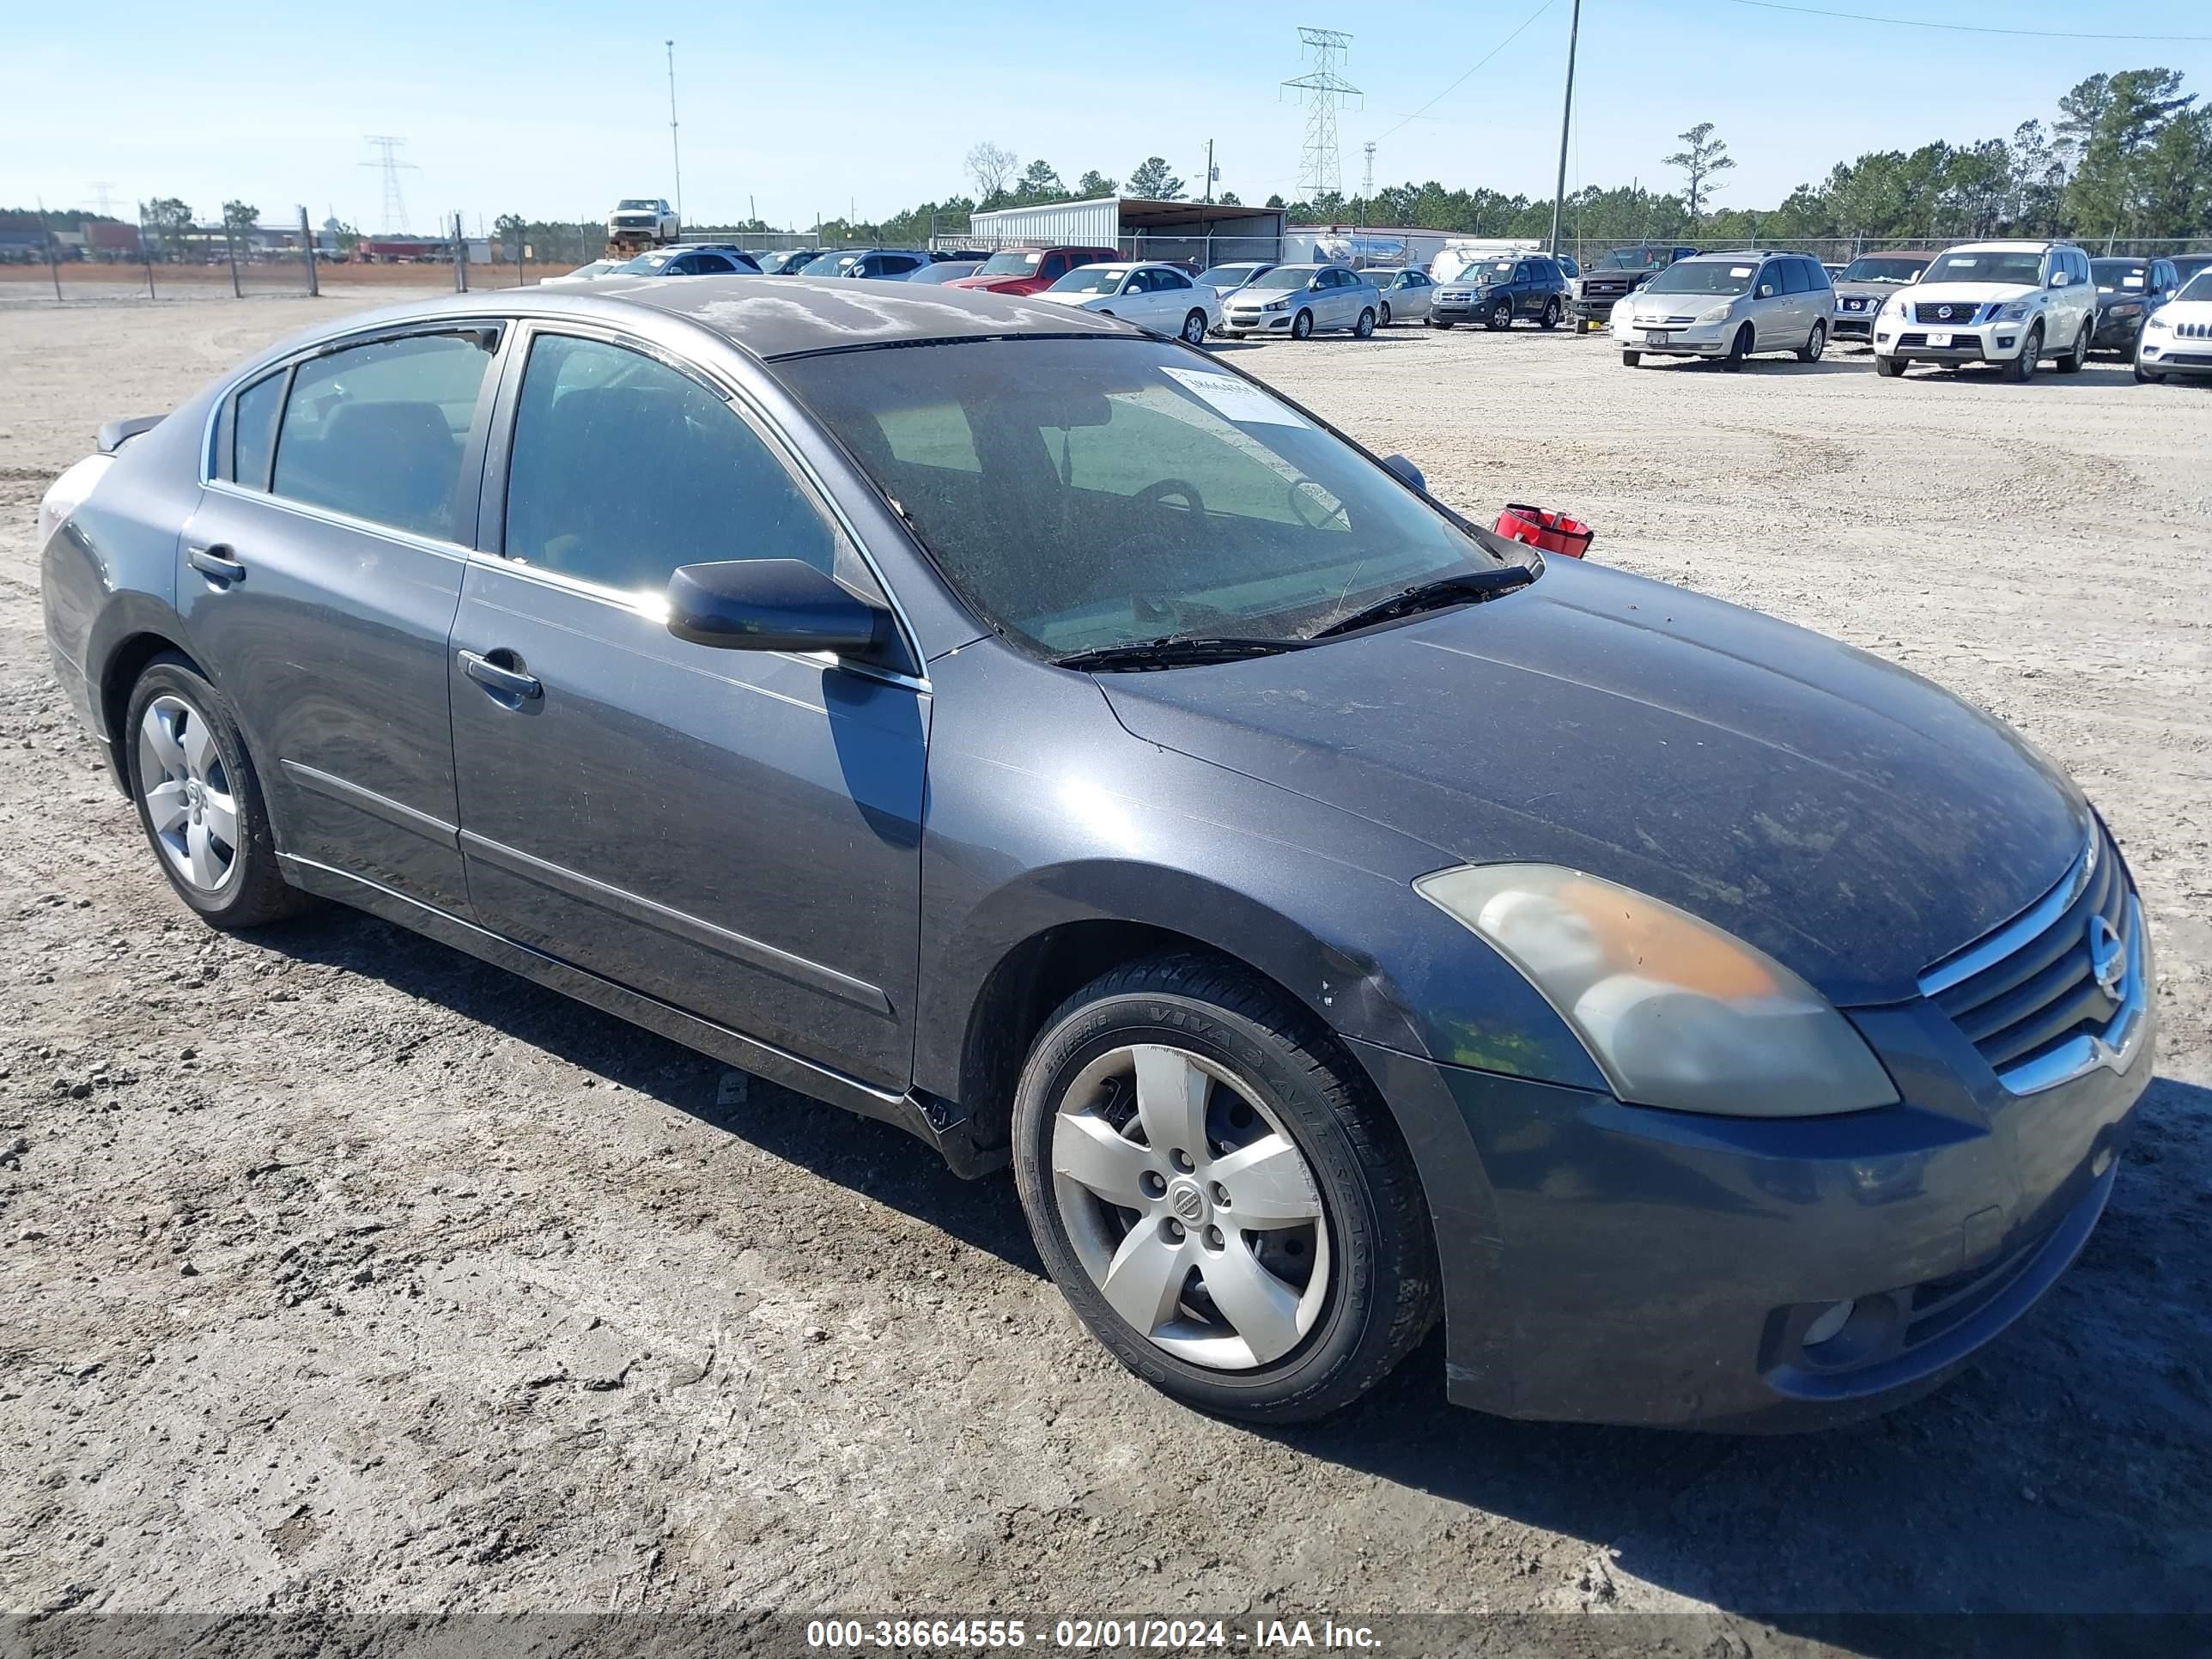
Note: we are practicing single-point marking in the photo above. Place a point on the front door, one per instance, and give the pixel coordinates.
(736, 833)
(325, 561)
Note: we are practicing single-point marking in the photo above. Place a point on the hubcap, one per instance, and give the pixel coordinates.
(1190, 1206)
(188, 794)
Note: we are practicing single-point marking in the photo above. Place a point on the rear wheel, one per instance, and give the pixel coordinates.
(1193, 329)
(1738, 348)
(1501, 314)
(1816, 344)
(199, 801)
(1890, 367)
(2022, 367)
(1302, 325)
(2072, 361)
(1551, 317)
(1220, 1194)
(1365, 325)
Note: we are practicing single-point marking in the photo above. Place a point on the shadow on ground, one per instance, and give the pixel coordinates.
(2068, 1471)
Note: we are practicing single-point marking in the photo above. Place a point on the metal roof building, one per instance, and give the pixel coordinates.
(1141, 229)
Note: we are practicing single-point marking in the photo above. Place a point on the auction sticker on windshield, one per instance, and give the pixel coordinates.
(1233, 398)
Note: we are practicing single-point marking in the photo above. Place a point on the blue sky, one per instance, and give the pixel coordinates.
(554, 108)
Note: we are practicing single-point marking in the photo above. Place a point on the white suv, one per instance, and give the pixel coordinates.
(2012, 303)
(647, 219)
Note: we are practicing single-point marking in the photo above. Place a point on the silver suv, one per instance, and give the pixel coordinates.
(1728, 306)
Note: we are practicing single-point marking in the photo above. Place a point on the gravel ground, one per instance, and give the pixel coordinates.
(339, 1273)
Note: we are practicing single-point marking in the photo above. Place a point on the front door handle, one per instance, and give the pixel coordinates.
(215, 562)
(500, 679)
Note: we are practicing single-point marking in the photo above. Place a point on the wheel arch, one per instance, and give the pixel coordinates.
(120, 666)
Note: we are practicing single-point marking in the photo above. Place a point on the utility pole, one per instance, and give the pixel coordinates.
(1367, 189)
(1210, 174)
(674, 155)
(1567, 125)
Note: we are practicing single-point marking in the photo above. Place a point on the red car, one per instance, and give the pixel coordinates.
(1032, 269)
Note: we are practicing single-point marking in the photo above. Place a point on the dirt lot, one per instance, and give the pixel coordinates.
(339, 1273)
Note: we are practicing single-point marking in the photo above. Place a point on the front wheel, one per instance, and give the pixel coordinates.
(1302, 325)
(1632, 358)
(198, 800)
(1816, 342)
(1440, 322)
(1219, 1193)
(1382, 317)
(1501, 314)
(1193, 329)
(1738, 348)
(2022, 367)
(1889, 369)
(1551, 317)
(1365, 326)
(2145, 376)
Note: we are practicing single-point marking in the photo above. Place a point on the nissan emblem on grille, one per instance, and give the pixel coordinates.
(2108, 956)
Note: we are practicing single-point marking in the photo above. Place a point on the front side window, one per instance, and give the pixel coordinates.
(1084, 493)
(624, 468)
(376, 430)
(1054, 268)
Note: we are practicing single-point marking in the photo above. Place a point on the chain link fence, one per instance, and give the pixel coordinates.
(161, 256)
(1842, 250)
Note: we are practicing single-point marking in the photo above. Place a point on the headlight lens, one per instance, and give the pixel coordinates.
(2157, 323)
(1676, 1012)
(2016, 312)
(1719, 313)
(1276, 305)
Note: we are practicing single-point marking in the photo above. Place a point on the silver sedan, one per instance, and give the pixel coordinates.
(1406, 296)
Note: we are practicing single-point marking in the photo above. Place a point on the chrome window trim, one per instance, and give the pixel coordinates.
(748, 409)
(445, 550)
(2031, 924)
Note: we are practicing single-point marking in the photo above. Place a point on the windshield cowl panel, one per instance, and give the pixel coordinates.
(1084, 495)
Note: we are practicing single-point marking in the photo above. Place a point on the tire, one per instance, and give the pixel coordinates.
(1364, 328)
(1816, 343)
(1193, 329)
(1439, 322)
(2146, 377)
(1259, 1068)
(1501, 316)
(1302, 326)
(1383, 318)
(1632, 358)
(1890, 369)
(1550, 319)
(1738, 348)
(2021, 369)
(2072, 361)
(187, 766)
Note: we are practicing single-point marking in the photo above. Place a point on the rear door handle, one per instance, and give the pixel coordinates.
(216, 563)
(500, 679)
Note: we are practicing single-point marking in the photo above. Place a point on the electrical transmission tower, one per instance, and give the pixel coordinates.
(387, 148)
(1367, 188)
(102, 193)
(1319, 170)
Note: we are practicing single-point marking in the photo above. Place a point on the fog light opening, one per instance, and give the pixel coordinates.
(1837, 1315)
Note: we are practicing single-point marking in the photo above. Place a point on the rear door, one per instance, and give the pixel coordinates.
(321, 573)
(734, 833)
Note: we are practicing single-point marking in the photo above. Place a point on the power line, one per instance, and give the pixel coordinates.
(1964, 28)
(1485, 58)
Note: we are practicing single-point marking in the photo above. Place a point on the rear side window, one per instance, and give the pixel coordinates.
(376, 430)
(1816, 275)
(254, 431)
(1787, 275)
(625, 468)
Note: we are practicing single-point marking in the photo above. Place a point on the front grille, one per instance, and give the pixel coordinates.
(2189, 359)
(2058, 989)
(2194, 330)
(1947, 311)
(1853, 302)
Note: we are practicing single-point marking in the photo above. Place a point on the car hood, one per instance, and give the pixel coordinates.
(2175, 313)
(1853, 821)
(1969, 293)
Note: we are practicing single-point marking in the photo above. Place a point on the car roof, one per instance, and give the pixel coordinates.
(2005, 246)
(772, 317)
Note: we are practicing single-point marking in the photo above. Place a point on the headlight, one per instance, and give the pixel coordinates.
(1276, 305)
(1675, 1012)
(2157, 322)
(2016, 312)
(1719, 313)
(1894, 305)
(67, 493)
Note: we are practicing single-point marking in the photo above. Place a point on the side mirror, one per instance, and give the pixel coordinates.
(771, 605)
(1766, 290)
(2058, 279)
(1406, 470)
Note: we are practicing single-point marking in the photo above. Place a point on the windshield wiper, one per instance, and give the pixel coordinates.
(1469, 587)
(1175, 654)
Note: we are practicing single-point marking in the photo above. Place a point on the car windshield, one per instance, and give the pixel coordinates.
(632, 205)
(1228, 275)
(1627, 259)
(2120, 273)
(1705, 277)
(644, 265)
(2019, 268)
(1490, 271)
(1877, 268)
(2199, 286)
(1010, 264)
(1283, 276)
(1087, 494)
(831, 264)
(1090, 279)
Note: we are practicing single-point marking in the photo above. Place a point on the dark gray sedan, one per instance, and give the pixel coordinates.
(999, 721)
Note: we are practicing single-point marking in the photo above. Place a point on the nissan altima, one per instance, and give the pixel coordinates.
(1001, 721)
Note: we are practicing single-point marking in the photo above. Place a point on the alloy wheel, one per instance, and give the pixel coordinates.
(1190, 1206)
(188, 795)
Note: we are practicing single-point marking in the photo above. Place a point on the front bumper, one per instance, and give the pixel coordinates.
(1990, 342)
(1240, 323)
(1473, 308)
(1615, 1264)
(2117, 333)
(1693, 340)
(1857, 325)
(2169, 355)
